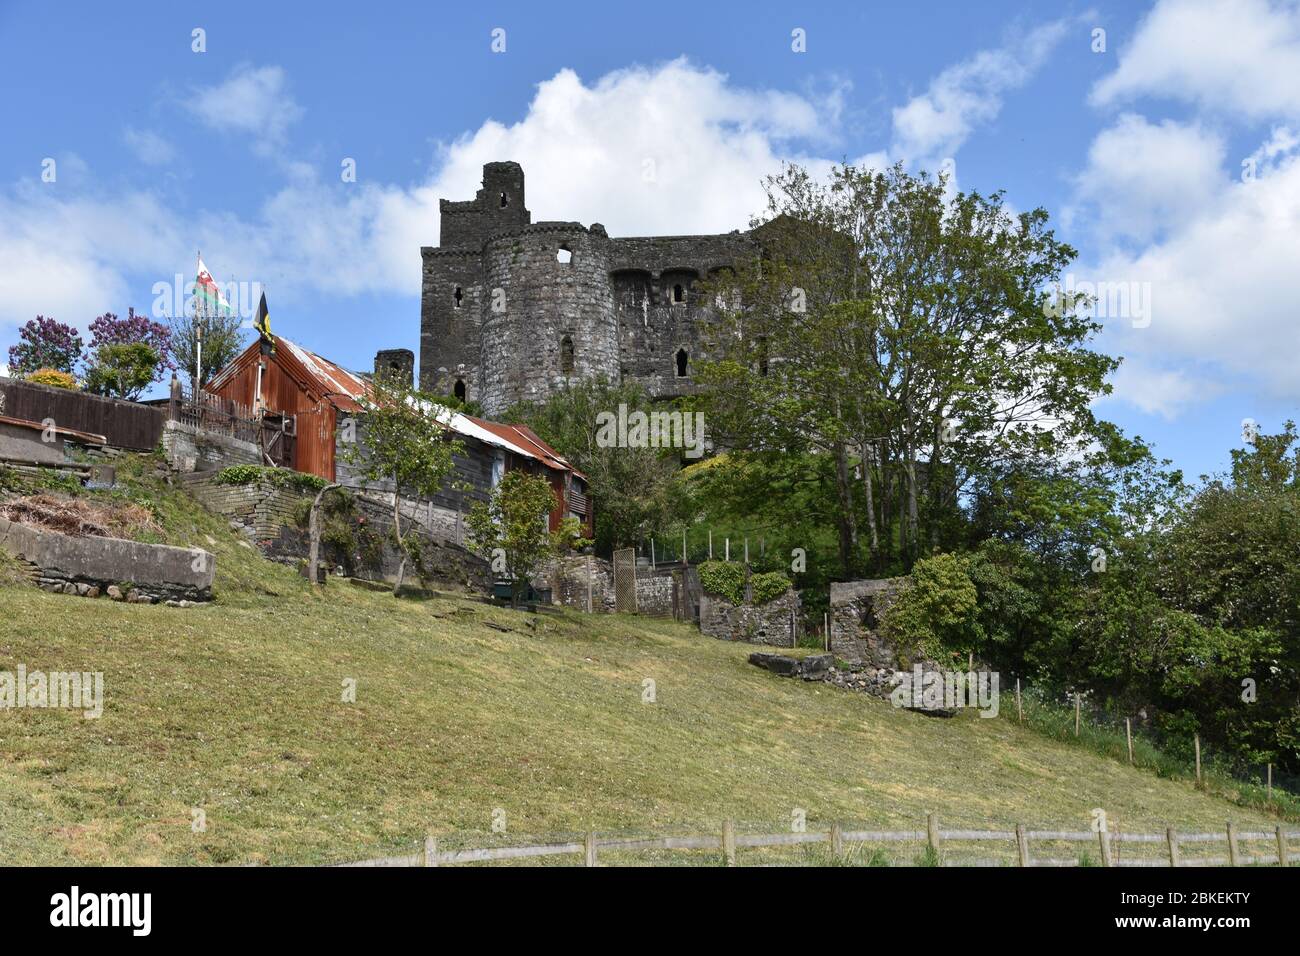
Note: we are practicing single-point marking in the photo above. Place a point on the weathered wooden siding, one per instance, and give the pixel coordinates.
(285, 393)
(124, 424)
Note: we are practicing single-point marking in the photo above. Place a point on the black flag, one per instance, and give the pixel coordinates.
(262, 322)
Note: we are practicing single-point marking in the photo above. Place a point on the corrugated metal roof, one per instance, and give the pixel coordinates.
(332, 382)
(518, 439)
(333, 379)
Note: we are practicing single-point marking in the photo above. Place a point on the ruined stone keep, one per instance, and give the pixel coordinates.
(511, 309)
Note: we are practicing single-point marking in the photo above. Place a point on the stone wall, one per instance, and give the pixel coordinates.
(567, 579)
(94, 566)
(855, 613)
(191, 449)
(656, 593)
(258, 508)
(268, 515)
(444, 513)
(772, 623)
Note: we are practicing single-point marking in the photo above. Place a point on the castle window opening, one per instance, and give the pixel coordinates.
(682, 359)
(566, 356)
(457, 296)
(564, 256)
(459, 390)
(504, 201)
(762, 355)
(679, 294)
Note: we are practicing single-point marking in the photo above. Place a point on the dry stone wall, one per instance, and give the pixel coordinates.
(775, 622)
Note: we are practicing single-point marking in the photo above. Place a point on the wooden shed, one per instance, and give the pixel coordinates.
(303, 391)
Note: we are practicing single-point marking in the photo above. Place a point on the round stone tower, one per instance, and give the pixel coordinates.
(548, 312)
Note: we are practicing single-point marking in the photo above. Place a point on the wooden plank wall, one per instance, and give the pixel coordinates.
(124, 424)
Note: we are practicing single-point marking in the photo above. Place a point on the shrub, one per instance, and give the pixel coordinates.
(285, 478)
(45, 344)
(728, 580)
(937, 615)
(121, 370)
(769, 586)
(52, 376)
(724, 579)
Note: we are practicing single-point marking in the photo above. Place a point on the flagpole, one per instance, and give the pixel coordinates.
(198, 329)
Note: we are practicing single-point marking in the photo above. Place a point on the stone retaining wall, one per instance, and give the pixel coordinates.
(259, 508)
(772, 623)
(93, 566)
(655, 592)
(191, 449)
(567, 579)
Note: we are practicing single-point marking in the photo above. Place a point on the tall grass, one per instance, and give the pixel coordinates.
(1056, 721)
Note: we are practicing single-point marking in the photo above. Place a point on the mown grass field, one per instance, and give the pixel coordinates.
(236, 708)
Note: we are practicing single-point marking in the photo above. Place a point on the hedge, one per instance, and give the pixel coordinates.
(728, 580)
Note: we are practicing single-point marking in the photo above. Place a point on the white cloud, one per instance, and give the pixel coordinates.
(1143, 178)
(1224, 288)
(252, 100)
(675, 148)
(1167, 392)
(1237, 56)
(932, 126)
(149, 146)
(672, 149)
(69, 257)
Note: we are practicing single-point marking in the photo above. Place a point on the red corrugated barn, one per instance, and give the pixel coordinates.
(308, 391)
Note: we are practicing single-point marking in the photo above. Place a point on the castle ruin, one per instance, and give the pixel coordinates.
(511, 310)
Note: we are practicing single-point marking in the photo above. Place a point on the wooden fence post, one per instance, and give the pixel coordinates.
(1128, 732)
(729, 842)
(1172, 837)
(1020, 714)
(1077, 708)
(589, 845)
(932, 832)
(430, 851)
(1281, 846)
(710, 544)
(826, 628)
(1022, 844)
(1232, 844)
(1197, 740)
(1103, 840)
(837, 841)
(588, 584)
(1270, 783)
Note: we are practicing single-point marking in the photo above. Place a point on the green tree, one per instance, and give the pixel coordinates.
(633, 489)
(907, 334)
(510, 528)
(401, 443)
(121, 370)
(222, 339)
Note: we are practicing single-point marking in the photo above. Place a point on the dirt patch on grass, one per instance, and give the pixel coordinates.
(78, 517)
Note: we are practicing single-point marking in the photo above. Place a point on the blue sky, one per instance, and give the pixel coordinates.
(1137, 151)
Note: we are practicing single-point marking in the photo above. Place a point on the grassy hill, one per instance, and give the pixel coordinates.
(236, 708)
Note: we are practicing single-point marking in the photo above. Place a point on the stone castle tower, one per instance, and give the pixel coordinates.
(511, 309)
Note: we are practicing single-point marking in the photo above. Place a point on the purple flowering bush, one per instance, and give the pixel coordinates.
(45, 344)
(108, 329)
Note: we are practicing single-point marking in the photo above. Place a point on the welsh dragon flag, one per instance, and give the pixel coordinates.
(206, 293)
